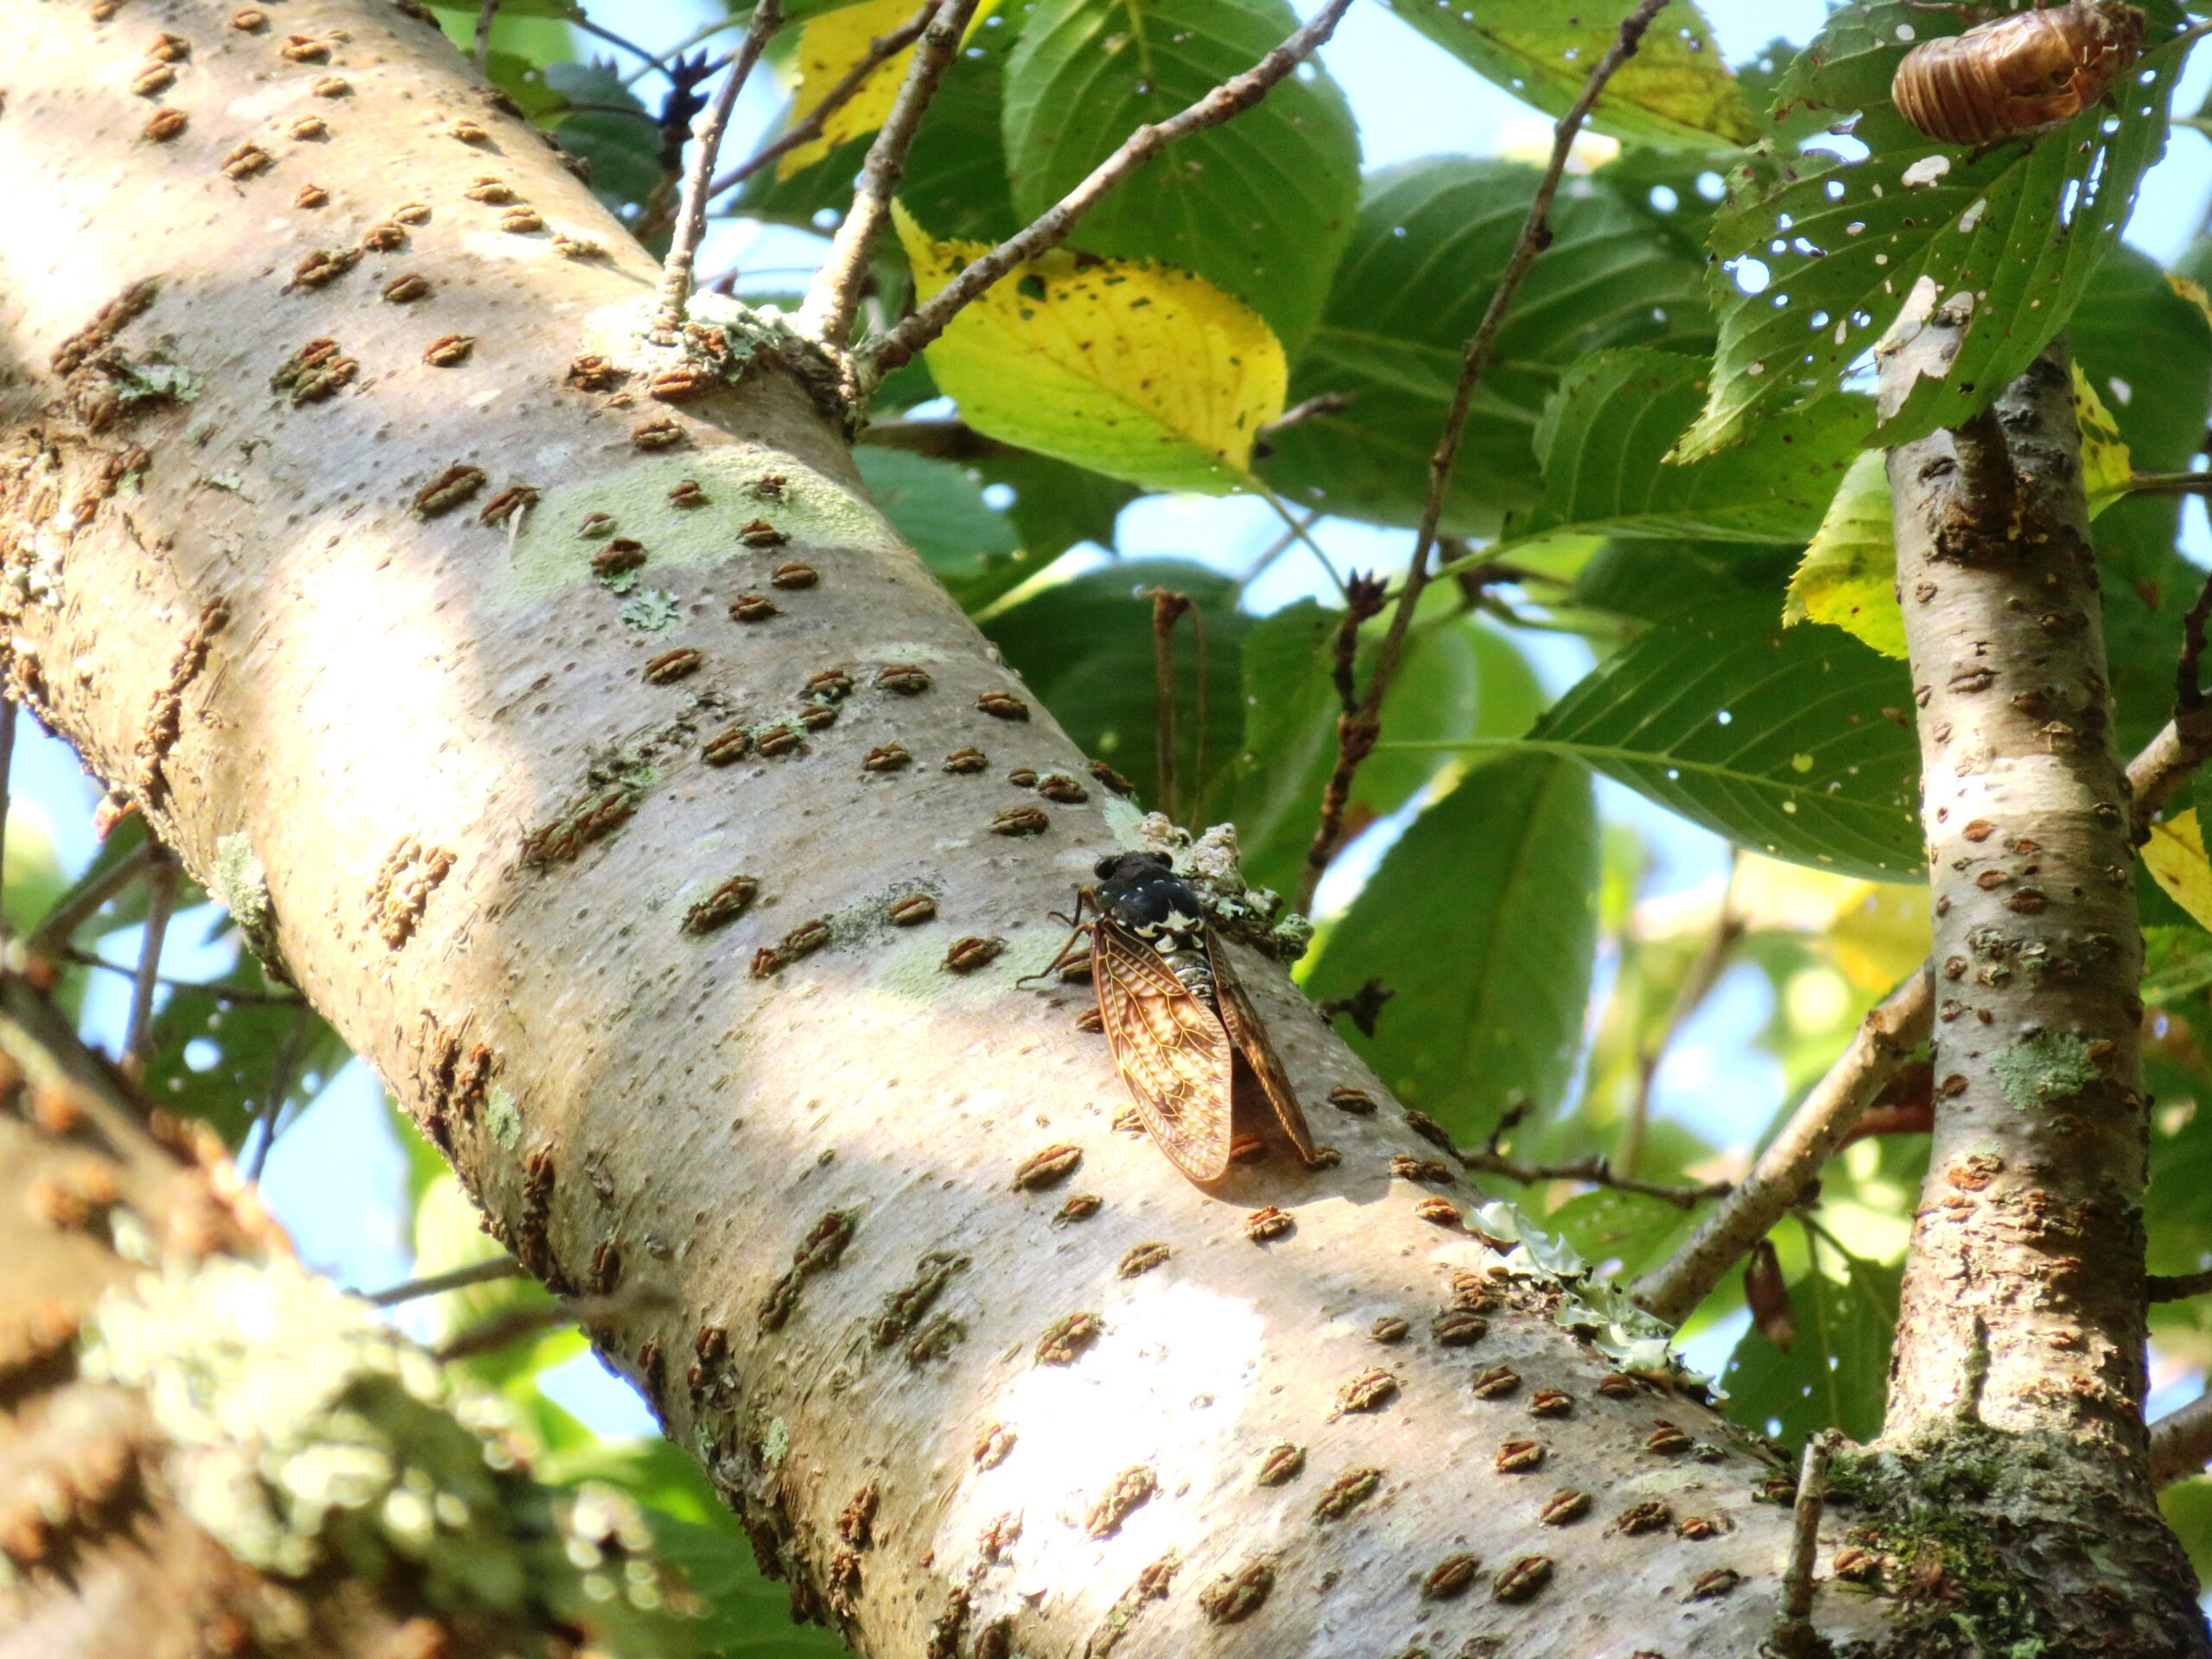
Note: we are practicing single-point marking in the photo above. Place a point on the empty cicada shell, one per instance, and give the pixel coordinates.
(2019, 74)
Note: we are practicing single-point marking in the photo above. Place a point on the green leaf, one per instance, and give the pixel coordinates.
(1634, 1229)
(1832, 1375)
(2148, 352)
(1459, 678)
(1259, 206)
(1604, 441)
(216, 1060)
(623, 149)
(1848, 578)
(969, 545)
(1055, 505)
(1085, 647)
(1818, 257)
(1480, 917)
(1648, 580)
(2186, 1506)
(1432, 239)
(1776, 739)
(1675, 91)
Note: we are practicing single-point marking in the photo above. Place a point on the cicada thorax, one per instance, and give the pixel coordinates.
(2018, 73)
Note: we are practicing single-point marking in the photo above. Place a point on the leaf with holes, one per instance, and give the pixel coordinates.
(1432, 240)
(1133, 369)
(1605, 438)
(1258, 206)
(1674, 92)
(1818, 257)
(1790, 742)
(1489, 952)
(217, 1060)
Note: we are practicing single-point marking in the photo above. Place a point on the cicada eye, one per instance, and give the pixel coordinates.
(1160, 859)
(1105, 866)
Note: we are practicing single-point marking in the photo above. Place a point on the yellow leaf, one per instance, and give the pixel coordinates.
(2174, 854)
(1849, 575)
(1125, 366)
(1875, 932)
(2106, 469)
(830, 47)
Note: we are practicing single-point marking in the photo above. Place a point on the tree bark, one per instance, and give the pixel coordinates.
(2019, 1361)
(132, 1517)
(966, 1395)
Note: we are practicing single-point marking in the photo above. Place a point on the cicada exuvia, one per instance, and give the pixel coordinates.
(2019, 73)
(1175, 1014)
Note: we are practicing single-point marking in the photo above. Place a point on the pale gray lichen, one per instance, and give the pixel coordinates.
(1210, 863)
(653, 610)
(503, 1117)
(239, 882)
(2042, 1068)
(308, 1437)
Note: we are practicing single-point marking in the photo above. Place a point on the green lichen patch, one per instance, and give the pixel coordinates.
(240, 883)
(315, 1440)
(2042, 1069)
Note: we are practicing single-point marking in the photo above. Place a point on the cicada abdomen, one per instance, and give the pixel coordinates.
(2016, 74)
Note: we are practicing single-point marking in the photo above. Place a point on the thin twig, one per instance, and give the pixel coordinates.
(1052, 227)
(833, 299)
(1276, 549)
(238, 994)
(1824, 1119)
(2189, 680)
(487, 15)
(1697, 984)
(2176, 1287)
(51, 937)
(692, 210)
(1596, 1171)
(880, 51)
(1326, 403)
(1356, 737)
(280, 1085)
(514, 1324)
(947, 440)
(1167, 607)
(7, 781)
(2181, 1442)
(573, 16)
(163, 875)
(1793, 1635)
(436, 1284)
(2170, 484)
(1301, 531)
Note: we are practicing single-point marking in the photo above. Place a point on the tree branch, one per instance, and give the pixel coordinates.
(833, 299)
(1356, 734)
(162, 876)
(50, 939)
(1794, 1635)
(880, 51)
(436, 1284)
(2176, 1287)
(1598, 1172)
(1232, 97)
(2181, 1442)
(691, 212)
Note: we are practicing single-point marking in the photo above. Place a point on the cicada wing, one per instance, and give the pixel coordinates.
(1251, 1039)
(1173, 1056)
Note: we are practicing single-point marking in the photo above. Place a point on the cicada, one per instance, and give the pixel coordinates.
(2016, 74)
(1175, 1013)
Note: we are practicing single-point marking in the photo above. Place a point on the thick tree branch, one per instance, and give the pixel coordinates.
(2181, 1442)
(880, 51)
(691, 207)
(833, 299)
(1357, 733)
(1232, 97)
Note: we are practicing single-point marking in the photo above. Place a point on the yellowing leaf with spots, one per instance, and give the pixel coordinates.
(1849, 575)
(1125, 366)
(830, 47)
(2174, 854)
(2106, 469)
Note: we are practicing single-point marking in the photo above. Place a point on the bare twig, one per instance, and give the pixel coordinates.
(1697, 984)
(51, 937)
(691, 212)
(833, 299)
(436, 1284)
(1793, 1635)
(1167, 608)
(2170, 484)
(487, 15)
(576, 19)
(163, 874)
(1363, 1008)
(1596, 1171)
(1302, 532)
(514, 1324)
(1793, 1162)
(1826, 1118)
(947, 440)
(2176, 1287)
(2181, 1441)
(7, 779)
(1052, 227)
(2189, 680)
(880, 51)
(238, 994)
(1356, 734)
(1327, 403)
(280, 1084)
